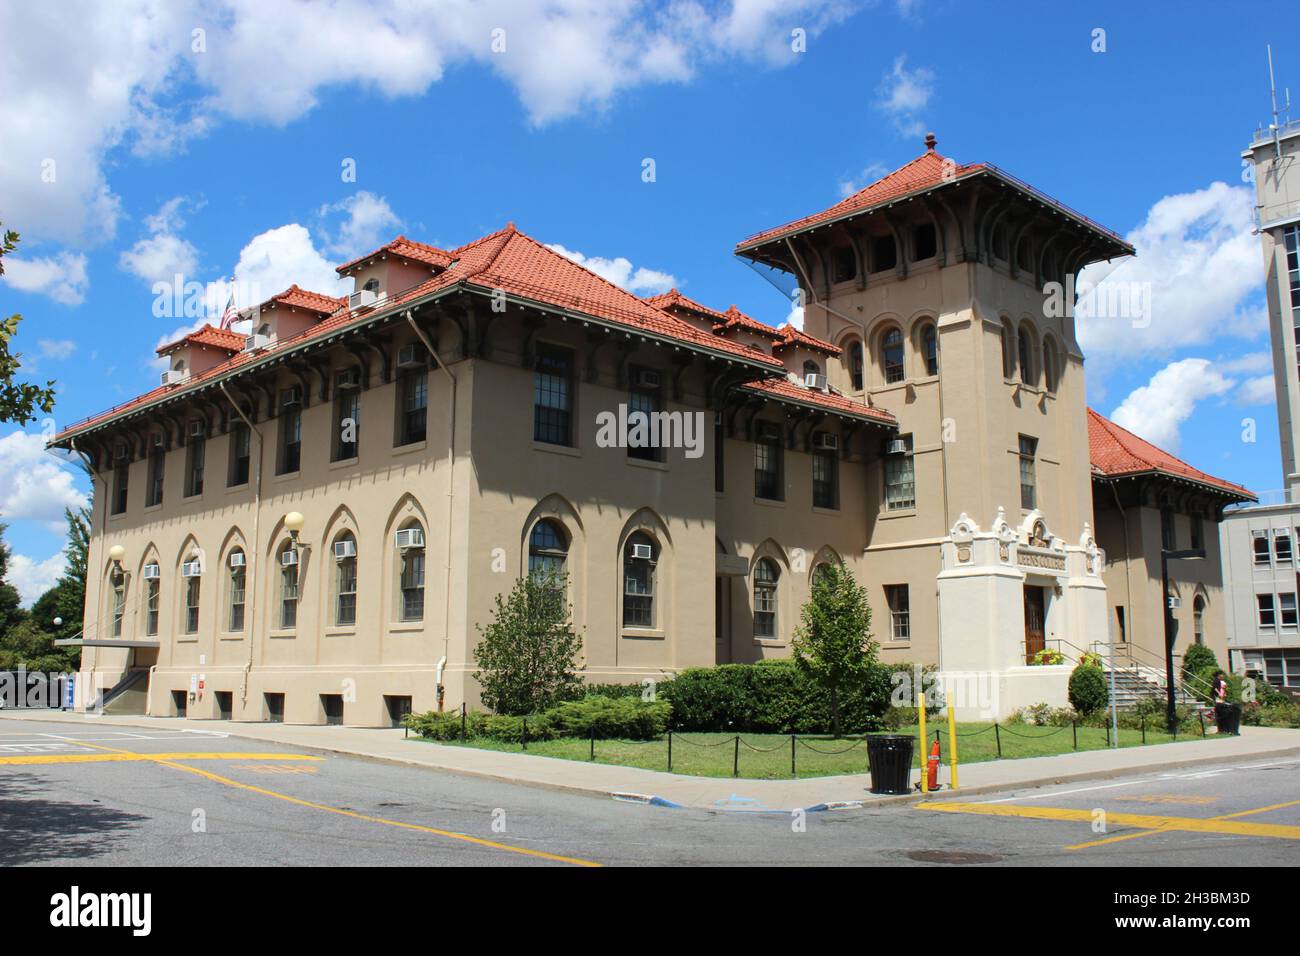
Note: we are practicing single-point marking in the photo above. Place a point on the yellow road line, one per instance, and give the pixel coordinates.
(1142, 820)
(449, 834)
(1142, 833)
(127, 756)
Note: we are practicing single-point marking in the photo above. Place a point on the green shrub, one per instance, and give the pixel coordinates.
(445, 725)
(511, 728)
(1196, 659)
(617, 691)
(1088, 693)
(1047, 656)
(606, 718)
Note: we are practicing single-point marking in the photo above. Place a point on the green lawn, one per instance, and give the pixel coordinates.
(767, 756)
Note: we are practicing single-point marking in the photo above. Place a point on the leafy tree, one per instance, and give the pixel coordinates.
(10, 611)
(19, 401)
(1197, 658)
(69, 593)
(528, 656)
(833, 644)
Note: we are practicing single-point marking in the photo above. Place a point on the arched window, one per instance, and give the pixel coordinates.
(410, 572)
(1198, 619)
(1050, 370)
(930, 348)
(1025, 343)
(766, 575)
(548, 550)
(191, 571)
(372, 285)
(152, 574)
(345, 579)
(1008, 356)
(238, 579)
(640, 555)
(855, 365)
(891, 356)
(287, 558)
(118, 581)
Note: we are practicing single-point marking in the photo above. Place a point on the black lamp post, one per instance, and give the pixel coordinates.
(1167, 555)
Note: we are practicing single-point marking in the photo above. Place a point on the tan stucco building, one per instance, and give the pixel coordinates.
(460, 420)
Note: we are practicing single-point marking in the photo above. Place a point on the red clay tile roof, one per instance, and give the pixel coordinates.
(674, 299)
(1117, 452)
(790, 336)
(927, 171)
(209, 335)
(404, 248)
(305, 299)
(507, 260)
(785, 390)
(733, 318)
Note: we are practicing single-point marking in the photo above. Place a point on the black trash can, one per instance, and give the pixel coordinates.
(890, 757)
(1227, 717)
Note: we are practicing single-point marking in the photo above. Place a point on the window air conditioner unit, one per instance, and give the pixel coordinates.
(289, 559)
(815, 380)
(191, 569)
(238, 559)
(410, 538)
(344, 549)
(291, 396)
(824, 441)
(198, 429)
(151, 572)
(648, 378)
(642, 552)
(348, 379)
(896, 446)
(256, 341)
(173, 376)
(1175, 603)
(410, 356)
(363, 299)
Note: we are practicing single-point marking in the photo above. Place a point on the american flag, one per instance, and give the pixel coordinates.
(231, 315)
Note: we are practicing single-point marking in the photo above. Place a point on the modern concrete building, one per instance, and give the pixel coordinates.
(307, 523)
(1259, 542)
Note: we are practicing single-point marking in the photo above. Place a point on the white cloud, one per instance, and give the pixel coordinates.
(34, 485)
(795, 317)
(903, 94)
(369, 223)
(62, 277)
(163, 254)
(1158, 409)
(88, 78)
(57, 349)
(1197, 269)
(33, 578)
(869, 174)
(1259, 390)
(621, 272)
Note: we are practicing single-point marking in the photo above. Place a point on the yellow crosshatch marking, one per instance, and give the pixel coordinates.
(1149, 822)
(1168, 798)
(1141, 833)
(127, 757)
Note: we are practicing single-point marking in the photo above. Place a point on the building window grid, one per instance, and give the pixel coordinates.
(553, 397)
(290, 440)
(345, 577)
(900, 479)
(412, 584)
(825, 480)
(1282, 547)
(766, 576)
(638, 584)
(288, 595)
(1267, 615)
(240, 445)
(238, 581)
(119, 604)
(1263, 555)
(1028, 473)
(1287, 609)
(646, 401)
(152, 593)
(900, 616)
(415, 402)
(157, 466)
(767, 463)
(347, 426)
(194, 474)
(192, 588)
(891, 356)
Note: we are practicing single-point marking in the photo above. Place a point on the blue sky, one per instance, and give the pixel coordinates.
(220, 154)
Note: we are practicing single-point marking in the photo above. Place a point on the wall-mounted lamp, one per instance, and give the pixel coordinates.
(115, 554)
(293, 523)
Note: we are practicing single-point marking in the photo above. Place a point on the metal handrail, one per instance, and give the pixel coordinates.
(1198, 683)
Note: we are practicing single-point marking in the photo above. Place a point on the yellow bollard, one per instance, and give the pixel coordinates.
(920, 716)
(952, 745)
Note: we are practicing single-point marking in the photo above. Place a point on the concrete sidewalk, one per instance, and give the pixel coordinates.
(716, 793)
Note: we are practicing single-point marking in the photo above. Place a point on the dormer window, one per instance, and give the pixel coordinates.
(372, 285)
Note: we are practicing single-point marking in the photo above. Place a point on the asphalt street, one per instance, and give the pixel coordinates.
(120, 797)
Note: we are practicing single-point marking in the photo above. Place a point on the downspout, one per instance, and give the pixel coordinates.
(451, 496)
(257, 539)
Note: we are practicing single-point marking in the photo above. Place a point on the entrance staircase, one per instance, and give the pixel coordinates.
(1133, 685)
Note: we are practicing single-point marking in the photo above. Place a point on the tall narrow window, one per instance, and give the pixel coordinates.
(1267, 616)
(413, 393)
(900, 475)
(639, 557)
(195, 452)
(826, 467)
(1198, 619)
(767, 462)
(925, 243)
(900, 612)
(240, 442)
(288, 587)
(1282, 546)
(192, 587)
(152, 591)
(548, 551)
(1008, 354)
(884, 253)
(766, 576)
(1263, 556)
(855, 365)
(347, 425)
(411, 572)
(1025, 347)
(930, 349)
(119, 602)
(891, 356)
(121, 475)
(345, 579)
(1198, 532)
(1120, 625)
(290, 433)
(1028, 474)
(1287, 608)
(238, 578)
(157, 464)
(1168, 536)
(1050, 370)
(645, 397)
(553, 396)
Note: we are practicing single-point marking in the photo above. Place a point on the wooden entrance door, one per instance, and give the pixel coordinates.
(1034, 615)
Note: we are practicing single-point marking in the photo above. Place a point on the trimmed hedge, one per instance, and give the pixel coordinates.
(1088, 692)
(623, 718)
